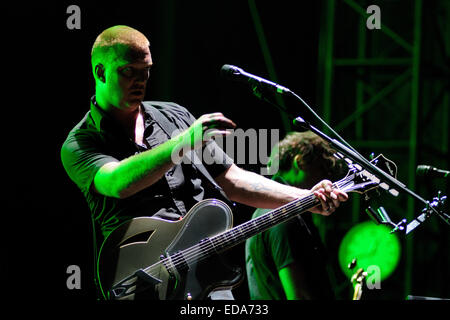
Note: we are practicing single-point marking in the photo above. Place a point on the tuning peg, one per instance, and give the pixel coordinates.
(393, 192)
(373, 158)
(338, 155)
(384, 186)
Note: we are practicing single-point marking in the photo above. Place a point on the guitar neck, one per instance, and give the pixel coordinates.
(236, 235)
(242, 232)
(252, 227)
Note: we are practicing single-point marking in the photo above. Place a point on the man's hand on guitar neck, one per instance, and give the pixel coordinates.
(329, 197)
(258, 191)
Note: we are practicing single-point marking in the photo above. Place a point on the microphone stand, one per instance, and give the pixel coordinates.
(260, 86)
(346, 149)
(383, 176)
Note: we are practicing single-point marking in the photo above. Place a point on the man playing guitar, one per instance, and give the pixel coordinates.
(124, 160)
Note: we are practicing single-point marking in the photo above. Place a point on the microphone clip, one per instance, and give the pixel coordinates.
(380, 216)
(436, 206)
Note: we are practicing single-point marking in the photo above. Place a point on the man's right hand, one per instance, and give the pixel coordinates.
(206, 127)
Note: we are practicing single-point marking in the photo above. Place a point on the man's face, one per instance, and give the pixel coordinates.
(126, 77)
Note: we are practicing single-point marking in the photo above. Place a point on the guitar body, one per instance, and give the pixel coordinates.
(144, 241)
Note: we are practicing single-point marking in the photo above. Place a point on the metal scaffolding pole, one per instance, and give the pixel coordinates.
(326, 55)
(413, 138)
(268, 60)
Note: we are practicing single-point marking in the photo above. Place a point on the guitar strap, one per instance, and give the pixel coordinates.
(168, 127)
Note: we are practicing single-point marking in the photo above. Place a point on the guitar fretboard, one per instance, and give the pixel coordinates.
(240, 233)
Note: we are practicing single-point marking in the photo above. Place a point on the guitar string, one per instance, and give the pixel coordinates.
(199, 253)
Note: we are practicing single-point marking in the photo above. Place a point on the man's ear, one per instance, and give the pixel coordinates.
(297, 162)
(100, 72)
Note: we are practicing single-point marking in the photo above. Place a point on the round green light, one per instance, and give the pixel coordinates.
(372, 246)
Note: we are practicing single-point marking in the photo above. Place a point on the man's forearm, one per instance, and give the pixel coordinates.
(131, 175)
(255, 190)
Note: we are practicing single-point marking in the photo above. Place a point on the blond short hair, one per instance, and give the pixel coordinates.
(113, 37)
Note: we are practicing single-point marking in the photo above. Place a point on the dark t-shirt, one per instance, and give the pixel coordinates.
(97, 139)
(295, 240)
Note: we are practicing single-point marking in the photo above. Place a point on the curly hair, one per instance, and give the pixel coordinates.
(313, 152)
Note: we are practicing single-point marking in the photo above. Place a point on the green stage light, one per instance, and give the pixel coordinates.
(372, 246)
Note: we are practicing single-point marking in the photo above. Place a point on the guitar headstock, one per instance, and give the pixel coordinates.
(361, 181)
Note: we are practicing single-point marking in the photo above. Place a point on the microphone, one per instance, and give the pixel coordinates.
(432, 172)
(237, 74)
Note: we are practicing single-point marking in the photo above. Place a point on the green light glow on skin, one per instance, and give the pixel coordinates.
(289, 278)
(371, 245)
(294, 176)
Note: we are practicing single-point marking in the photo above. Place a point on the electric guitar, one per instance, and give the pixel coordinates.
(152, 258)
